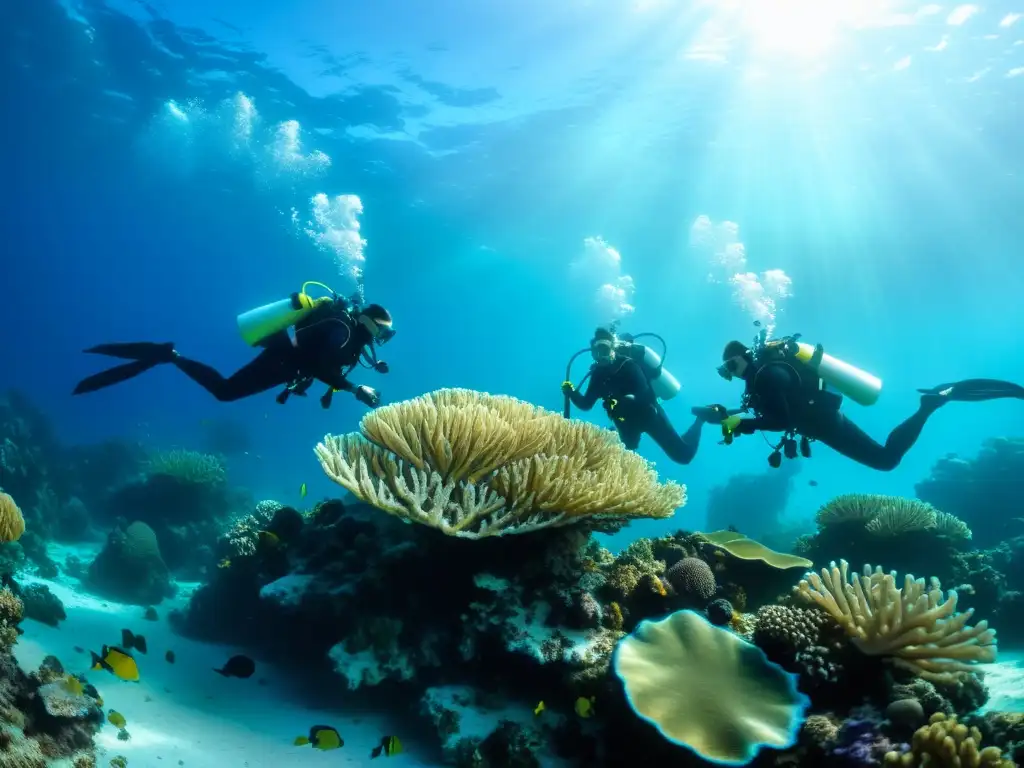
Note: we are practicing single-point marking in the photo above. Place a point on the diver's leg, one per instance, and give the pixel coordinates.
(842, 435)
(268, 370)
(629, 434)
(680, 448)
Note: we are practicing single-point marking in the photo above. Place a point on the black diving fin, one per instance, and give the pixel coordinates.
(136, 350)
(144, 354)
(714, 414)
(977, 390)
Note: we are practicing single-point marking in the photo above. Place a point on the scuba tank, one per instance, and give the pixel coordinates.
(860, 386)
(665, 385)
(259, 323)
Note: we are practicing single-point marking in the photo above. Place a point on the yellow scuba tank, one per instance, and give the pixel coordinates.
(259, 323)
(858, 385)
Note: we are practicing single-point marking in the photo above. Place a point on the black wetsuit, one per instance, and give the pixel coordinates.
(636, 410)
(328, 344)
(788, 397)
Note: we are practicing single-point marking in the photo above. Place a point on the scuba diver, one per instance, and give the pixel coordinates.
(631, 379)
(330, 336)
(797, 389)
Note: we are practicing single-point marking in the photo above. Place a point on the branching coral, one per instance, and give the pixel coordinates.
(242, 535)
(916, 626)
(188, 467)
(890, 516)
(476, 465)
(945, 743)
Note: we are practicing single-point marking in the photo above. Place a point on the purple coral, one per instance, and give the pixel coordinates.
(692, 577)
(861, 744)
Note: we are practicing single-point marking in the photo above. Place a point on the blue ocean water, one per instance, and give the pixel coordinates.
(505, 177)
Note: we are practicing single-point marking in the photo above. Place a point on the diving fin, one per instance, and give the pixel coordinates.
(136, 350)
(144, 354)
(112, 376)
(976, 390)
(714, 414)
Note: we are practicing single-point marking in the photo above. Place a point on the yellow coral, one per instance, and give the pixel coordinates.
(474, 465)
(12, 523)
(916, 626)
(946, 743)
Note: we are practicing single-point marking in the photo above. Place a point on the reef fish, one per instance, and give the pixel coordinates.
(116, 719)
(133, 641)
(268, 539)
(321, 737)
(238, 666)
(389, 746)
(118, 662)
(73, 685)
(538, 709)
(584, 707)
(169, 656)
(302, 491)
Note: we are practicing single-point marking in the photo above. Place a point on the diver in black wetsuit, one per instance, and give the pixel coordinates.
(620, 381)
(787, 395)
(328, 343)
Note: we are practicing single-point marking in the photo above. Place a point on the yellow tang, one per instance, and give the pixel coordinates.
(118, 663)
(302, 491)
(116, 719)
(268, 538)
(321, 737)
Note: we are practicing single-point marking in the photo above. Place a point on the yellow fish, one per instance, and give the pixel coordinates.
(225, 563)
(268, 539)
(538, 709)
(389, 746)
(584, 706)
(73, 685)
(116, 719)
(302, 491)
(659, 586)
(321, 737)
(118, 663)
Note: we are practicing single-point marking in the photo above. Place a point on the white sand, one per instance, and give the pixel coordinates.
(184, 711)
(1005, 681)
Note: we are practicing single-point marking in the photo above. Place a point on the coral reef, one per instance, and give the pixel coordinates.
(184, 498)
(130, 567)
(754, 503)
(946, 743)
(47, 715)
(916, 626)
(12, 524)
(906, 533)
(42, 605)
(978, 490)
(477, 465)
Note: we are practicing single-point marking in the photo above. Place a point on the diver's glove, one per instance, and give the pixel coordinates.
(381, 367)
(367, 396)
(568, 388)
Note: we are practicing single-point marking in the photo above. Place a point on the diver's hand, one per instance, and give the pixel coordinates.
(568, 388)
(382, 367)
(367, 396)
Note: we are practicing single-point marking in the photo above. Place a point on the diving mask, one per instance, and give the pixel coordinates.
(602, 351)
(729, 368)
(381, 332)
